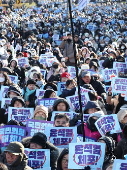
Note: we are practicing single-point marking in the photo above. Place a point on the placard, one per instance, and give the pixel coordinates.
(23, 61)
(108, 123)
(40, 93)
(86, 154)
(5, 102)
(33, 126)
(11, 133)
(69, 114)
(47, 102)
(106, 73)
(38, 158)
(61, 136)
(120, 66)
(20, 114)
(61, 86)
(119, 164)
(14, 79)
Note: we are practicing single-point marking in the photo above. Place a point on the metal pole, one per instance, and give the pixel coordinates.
(76, 66)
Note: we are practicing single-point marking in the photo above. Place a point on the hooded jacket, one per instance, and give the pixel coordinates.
(19, 164)
(54, 153)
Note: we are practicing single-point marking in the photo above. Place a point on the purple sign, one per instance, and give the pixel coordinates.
(11, 133)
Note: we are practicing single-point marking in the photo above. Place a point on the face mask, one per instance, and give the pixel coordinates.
(11, 96)
(2, 79)
(39, 118)
(55, 66)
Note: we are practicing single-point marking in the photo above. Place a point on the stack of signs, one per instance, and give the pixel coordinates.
(120, 66)
(23, 61)
(61, 136)
(47, 102)
(106, 73)
(69, 114)
(119, 164)
(108, 123)
(11, 133)
(33, 126)
(20, 114)
(61, 86)
(14, 79)
(38, 158)
(74, 101)
(86, 154)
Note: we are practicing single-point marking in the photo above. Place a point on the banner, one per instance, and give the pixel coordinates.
(61, 136)
(74, 101)
(119, 164)
(108, 123)
(38, 158)
(11, 133)
(20, 114)
(33, 126)
(86, 154)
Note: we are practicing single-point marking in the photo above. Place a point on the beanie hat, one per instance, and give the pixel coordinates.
(121, 114)
(41, 108)
(15, 147)
(40, 139)
(65, 74)
(15, 88)
(92, 104)
(30, 81)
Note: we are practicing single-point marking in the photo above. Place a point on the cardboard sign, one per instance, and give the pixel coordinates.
(11, 133)
(20, 114)
(33, 126)
(108, 123)
(61, 136)
(38, 158)
(86, 154)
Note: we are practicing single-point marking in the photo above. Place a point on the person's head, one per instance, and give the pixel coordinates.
(3, 78)
(13, 152)
(49, 93)
(17, 102)
(31, 84)
(91, 107)
(38, 141)
(61, 120)
(65, 76)
(85, 76)
(41, 112)
(112, 54)
(52, 86)
(14, 91)
(62, 162)
(60, 105)
(76, 38)
(3, 166)
(70, 84)
(13, 63)
(122, 116)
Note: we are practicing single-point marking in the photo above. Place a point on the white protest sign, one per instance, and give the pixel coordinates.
(38, 158)
(20, 114)
(72, 71)
(69, 114)
(61, 136)
(119, 164)
(5, 102)
(74, 101)
(33, 126)
(86, 154)
(120, 66)
(23, 61)
(108, 123)
(47, 102)
(40, 93)
(3, 92)
(61, 86)
(119, 85)
(14, 79)
(82, 90)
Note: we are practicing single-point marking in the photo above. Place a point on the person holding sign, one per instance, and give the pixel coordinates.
(39, 141)
(14, 157)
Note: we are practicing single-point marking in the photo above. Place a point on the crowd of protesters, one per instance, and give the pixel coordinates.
(100, 34)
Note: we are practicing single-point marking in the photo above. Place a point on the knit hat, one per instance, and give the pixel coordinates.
(41, 108)
(92, 104)
(121, 114)
(40, 139)
(65, 74)
(15, 147)
(15, 88)
(30, 81)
